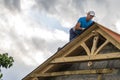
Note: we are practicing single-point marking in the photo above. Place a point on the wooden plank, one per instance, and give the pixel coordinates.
(80, 72)
(86, 48)
(101, 47)
(107, 56)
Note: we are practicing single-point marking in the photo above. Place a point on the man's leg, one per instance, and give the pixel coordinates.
(72, 34)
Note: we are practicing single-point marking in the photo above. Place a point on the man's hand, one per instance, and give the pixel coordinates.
(83, 28)
(77, 27)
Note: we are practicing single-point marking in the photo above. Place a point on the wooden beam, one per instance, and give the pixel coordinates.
(111, 39)
(101, 47)
(94, 46)
(34, 78)
(77, 72)
(107, 56)
(47, 68)
(86, 48)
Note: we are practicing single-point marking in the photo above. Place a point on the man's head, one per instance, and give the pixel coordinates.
(90, 15)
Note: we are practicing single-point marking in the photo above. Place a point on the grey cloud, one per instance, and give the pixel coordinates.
(33, 43)
(38, 43)
(64, 10)
(51, 46)
(110, 10)
(107, 11)
(51, 5)
(47, 5)
(78, 5)
(17, 42)
(12, 4)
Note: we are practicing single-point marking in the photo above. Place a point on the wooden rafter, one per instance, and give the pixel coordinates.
(101, 47)
(35, 78)
(114, 42)
(87, 58)
(80, 72)
(47, 68)
(85, 48)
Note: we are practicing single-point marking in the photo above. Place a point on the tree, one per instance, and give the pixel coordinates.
(5, 62)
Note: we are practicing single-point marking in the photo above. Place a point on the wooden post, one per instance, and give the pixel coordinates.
(94, 46)
(99, 77)
(101, 47)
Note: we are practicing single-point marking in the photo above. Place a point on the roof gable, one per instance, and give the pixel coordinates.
(87, 45)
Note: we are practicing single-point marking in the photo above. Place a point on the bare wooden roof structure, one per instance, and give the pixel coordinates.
(88, 47)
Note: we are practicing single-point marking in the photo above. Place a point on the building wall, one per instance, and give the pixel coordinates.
(115, 76)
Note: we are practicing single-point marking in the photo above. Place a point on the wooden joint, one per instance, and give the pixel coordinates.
(95, 33)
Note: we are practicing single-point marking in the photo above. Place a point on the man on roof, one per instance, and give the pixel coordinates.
(83, 23)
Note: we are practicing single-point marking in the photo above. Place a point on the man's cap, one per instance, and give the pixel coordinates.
(92, 13)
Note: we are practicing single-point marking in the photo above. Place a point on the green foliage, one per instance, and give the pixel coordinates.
(1, 75)
(5, 62)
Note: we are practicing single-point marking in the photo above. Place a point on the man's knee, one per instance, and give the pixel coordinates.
(72, 36)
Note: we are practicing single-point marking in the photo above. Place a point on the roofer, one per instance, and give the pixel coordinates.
(82, 24)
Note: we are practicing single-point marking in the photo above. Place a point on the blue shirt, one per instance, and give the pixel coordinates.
(84, 23)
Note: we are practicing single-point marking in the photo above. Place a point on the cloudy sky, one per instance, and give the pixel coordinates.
(32, 30)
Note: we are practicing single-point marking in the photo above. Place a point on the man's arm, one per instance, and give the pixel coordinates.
(77, 27)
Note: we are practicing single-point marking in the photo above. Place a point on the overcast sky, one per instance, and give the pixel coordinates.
(32, 30)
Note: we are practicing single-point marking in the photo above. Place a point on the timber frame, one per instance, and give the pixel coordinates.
(88, 43)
